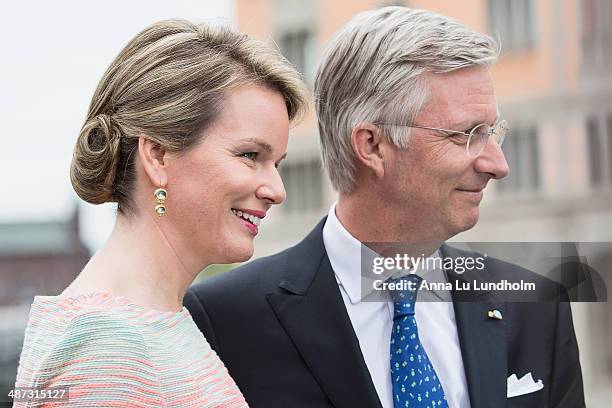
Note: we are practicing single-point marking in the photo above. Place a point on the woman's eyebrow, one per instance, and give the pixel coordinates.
(261, 143)
(264, 145)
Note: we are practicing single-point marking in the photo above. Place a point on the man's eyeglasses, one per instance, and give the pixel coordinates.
(477, 137)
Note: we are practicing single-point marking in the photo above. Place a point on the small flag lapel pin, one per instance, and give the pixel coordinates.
(494, 314)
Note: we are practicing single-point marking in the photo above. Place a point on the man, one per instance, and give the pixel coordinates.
(410, 137)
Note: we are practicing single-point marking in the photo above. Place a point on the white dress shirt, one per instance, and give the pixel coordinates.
(373, 321)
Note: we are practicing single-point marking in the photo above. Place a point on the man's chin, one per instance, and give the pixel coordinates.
(466, 222)
(472, 220)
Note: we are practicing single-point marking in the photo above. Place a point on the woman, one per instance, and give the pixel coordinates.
(184, 132)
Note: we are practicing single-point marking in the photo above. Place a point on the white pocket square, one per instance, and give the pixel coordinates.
(525, 385)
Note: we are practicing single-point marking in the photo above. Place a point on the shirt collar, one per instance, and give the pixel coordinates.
(344, 253)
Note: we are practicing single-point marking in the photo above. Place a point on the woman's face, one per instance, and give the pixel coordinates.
(220, 190)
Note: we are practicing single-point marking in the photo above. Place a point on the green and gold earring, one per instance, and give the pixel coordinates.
(160, 201)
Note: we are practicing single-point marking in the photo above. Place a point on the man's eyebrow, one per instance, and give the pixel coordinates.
(473, 124)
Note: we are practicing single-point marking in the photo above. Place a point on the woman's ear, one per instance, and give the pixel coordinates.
(367, 141)
(152, 156)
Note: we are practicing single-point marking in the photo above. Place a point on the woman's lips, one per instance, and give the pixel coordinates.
(254, 229)
(248, 219)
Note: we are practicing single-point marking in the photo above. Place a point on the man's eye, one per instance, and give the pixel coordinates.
(458, 138)
(249, 155)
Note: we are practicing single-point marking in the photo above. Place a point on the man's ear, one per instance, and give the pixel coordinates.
(367, 140)
(152, 155)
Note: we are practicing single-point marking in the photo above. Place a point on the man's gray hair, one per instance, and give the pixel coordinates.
(370, 73)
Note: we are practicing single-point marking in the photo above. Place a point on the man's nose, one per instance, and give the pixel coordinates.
(492, 161)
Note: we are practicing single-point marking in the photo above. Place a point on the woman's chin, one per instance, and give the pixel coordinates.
(243, 257)
(238, 254)
(235, 251)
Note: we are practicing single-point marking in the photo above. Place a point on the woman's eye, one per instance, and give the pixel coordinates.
(249, 155)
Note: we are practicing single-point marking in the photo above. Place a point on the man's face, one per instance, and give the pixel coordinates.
(434, 182)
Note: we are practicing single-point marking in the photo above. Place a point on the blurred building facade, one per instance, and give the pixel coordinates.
(554, 86)
(36, 258)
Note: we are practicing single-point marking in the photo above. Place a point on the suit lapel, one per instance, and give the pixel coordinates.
(309, 306)
(484, 351)
(483, 341)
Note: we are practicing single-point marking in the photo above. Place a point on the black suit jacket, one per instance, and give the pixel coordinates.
(280, 325)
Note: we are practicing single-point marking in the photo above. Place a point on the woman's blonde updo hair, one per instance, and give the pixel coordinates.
(169, 84)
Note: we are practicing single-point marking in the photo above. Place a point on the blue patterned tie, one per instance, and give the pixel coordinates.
(415, 382)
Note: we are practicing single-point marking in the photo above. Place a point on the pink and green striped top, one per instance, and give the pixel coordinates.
(110, 352)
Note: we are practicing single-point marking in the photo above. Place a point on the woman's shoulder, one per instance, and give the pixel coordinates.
(67, 330)
(91, 307)
(97, 321)
(67, 327)
(62, 314)
(95, 336)
(68, 338)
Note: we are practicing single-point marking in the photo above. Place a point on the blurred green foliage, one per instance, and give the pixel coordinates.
(214, 269)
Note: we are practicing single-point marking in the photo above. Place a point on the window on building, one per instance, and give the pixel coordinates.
(596, 33)
(599, 145)
(594, 145)
(297, 47)
(513, 22)
(386, 3)
(522, 152)
(609, 131)
(303, 184)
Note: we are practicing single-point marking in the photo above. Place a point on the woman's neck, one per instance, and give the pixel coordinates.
(140, 263)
